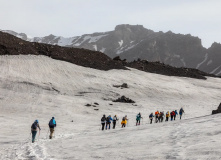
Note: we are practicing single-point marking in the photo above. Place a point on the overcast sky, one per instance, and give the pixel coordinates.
(69, 18)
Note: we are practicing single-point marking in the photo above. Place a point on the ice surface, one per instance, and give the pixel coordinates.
(38, 87)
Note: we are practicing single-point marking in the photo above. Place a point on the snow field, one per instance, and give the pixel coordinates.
(37, 87)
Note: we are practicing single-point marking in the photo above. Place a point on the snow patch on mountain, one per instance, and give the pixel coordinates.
(103, 50)
(215, 70)
(121, 43)
(205, 59)
(65, 41)
(95, 47)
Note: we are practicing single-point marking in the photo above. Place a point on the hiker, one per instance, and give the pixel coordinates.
(51, 124)
(108, 121)
(172, 115)
(115, 119)
(138, 119)
(167, 115)
(156, 116)
(34, 128)
(103, 119)
(151, 117)
(181, 112)
(175, 115)
(161, 115)
(123, 122)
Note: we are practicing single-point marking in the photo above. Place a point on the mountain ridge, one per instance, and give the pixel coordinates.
(134, 41)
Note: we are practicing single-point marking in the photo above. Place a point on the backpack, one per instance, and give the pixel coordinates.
(103, 119)
(107, 119)
(51, 124)
(123, 119)
(115, 118)
(34, 126)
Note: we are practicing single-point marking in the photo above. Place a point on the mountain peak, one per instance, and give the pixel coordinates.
(129, 27)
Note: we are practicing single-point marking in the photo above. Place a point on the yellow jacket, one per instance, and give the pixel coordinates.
(168, 114)
(124, 122)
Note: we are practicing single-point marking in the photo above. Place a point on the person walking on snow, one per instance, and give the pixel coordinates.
(51, 124)
(126, 120)
(103, 119)
(167, 115)
(151, 117)
(156, 116)
(34, 128)
(123, 122)
(138, 119)
(115, 119)
(175, 115)
(108, 121)
(181, 112)
(172, 114)
(161, 115)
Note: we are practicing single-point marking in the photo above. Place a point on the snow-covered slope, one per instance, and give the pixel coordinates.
(38, 87)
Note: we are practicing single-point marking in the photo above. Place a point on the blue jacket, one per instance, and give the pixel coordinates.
(181, 111)
(52, 123)
(176, 113)
(151, 115)
(110, 119)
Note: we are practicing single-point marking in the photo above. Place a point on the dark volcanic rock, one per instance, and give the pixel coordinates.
(218, 110)
(124, 99)
(160, 68)
(124, 85)
(11, 45)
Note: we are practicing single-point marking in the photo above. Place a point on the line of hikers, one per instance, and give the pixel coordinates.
(35, 126)
(159, 116)
(107, 120)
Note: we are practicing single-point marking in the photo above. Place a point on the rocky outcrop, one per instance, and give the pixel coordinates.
(218, 110)
(164, 69)
(124, 99)
(11, 45)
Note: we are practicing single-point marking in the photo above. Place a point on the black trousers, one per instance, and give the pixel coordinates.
(103, 124)
(167, 118)
(151, 120)
(114, 124)
(138, 122)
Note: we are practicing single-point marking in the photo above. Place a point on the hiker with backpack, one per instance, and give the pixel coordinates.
(115, 119)
(151, 117)
(175, 115)
(138, 119)
(126, 120)
(161, 115)
(103, 119)
(181, 112)
(108, 121)
(51, 124)
(123, 122)
(167, 115)
(172, 115)
(34, 128)
(156, 116)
